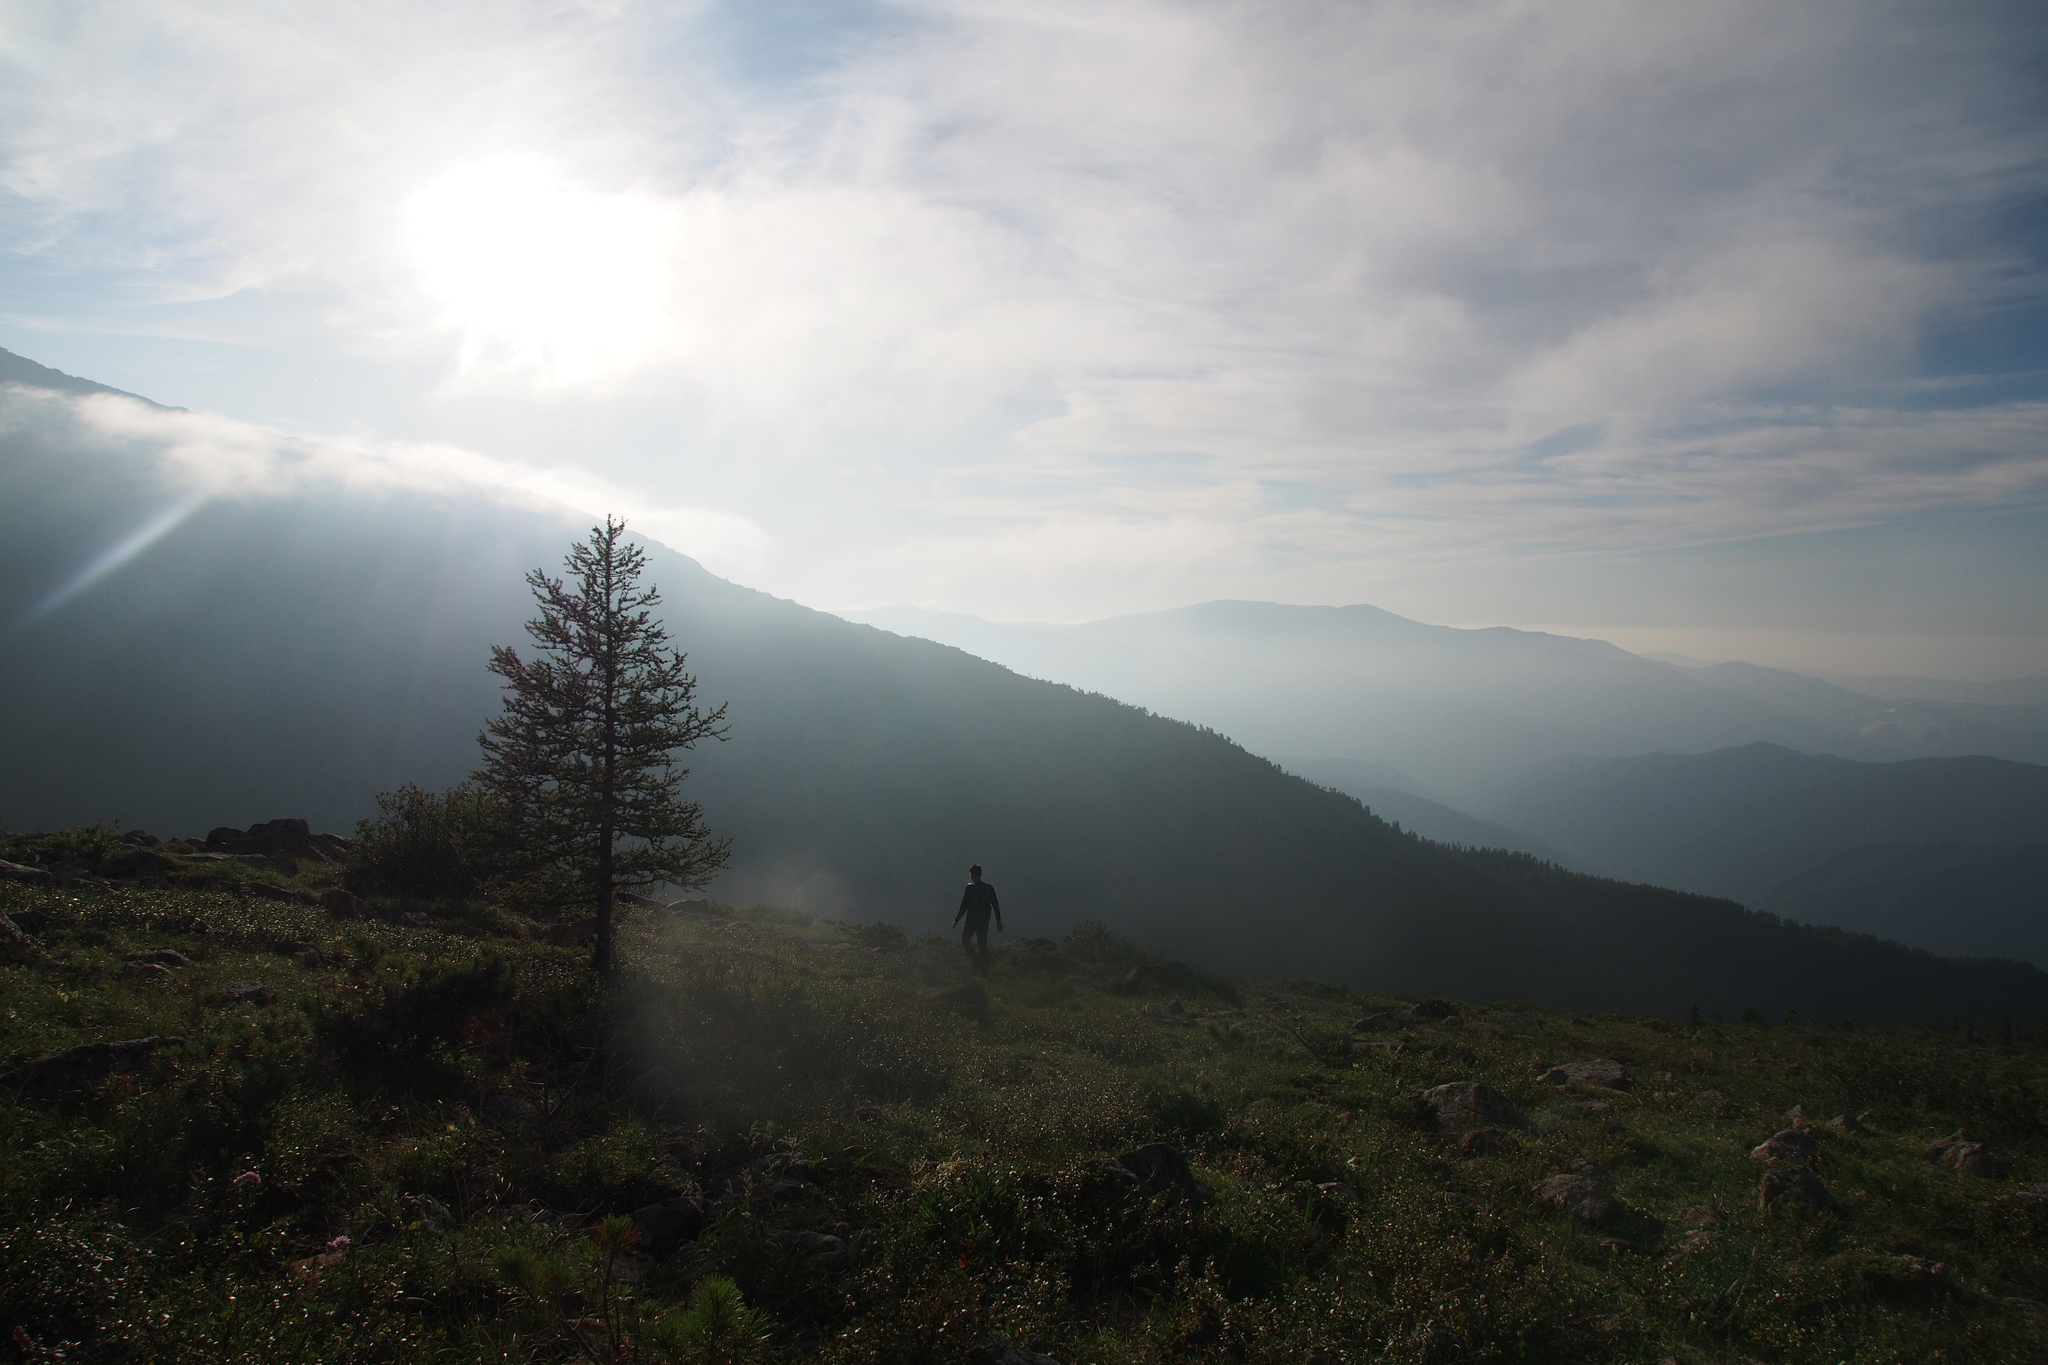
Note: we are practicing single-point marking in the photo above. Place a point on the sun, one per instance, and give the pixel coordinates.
(546, 281)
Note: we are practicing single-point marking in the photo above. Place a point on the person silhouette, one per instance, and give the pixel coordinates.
(976, 903)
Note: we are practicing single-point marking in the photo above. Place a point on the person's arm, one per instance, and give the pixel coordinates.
(966, 898)
(997, 906)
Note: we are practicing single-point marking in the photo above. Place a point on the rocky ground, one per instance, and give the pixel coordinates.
(288, 1124)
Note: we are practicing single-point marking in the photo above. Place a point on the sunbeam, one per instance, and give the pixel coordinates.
(116, 555)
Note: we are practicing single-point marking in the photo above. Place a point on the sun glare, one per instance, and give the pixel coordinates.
(545, 279)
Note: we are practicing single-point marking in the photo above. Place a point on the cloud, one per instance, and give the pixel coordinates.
(195, 457)
(1081, 307)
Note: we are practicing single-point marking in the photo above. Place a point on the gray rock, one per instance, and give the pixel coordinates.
(1607, 1072)
(146, 972)
(1798, 1116)
(346, 905)
(171, 957)
(1788, 1145)
(1463, 1106)
(430, 1210)
(664, 1226)
(654, 1091)
(18, 872)
(1159, 1166)
(90, 1063)
(1962, 1153)
(1378, 1023)
(294, 947)
(507, 1107)
(1793, 1185)
(802, 1242)
(1432, 1009)
(248, 992)
(1583, 1192)
(9, 931)
(1847, 1126)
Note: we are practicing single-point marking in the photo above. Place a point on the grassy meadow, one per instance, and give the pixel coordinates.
(366, 1141)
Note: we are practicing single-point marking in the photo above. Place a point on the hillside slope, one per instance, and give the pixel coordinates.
(1945, 853)
(296, 652)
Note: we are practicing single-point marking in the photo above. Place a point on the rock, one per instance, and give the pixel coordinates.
(1337, 1192)
(90, 1063)
(1377, 1023)
(1847, 1126)
(664, 1226)
(1523, 1022)
(1173, 1015)
(802, 1242)
(146, 972)
(1788, 1145)
(171, 957)
(1432, 1009)
(1793, 1185)
(9, 931)
(1486, 1026)
(1583, 1192)
(1463, 1106)
(654, 1091)
(413, 919)
(634, 898)
(1713, 1097)
(994, 1349)
(294, 947)
(1482, 1140)
(1257, 1028)
(36, 922)
(135, 862)
(1031, 945)
(248, 993)
(507, 1107)
(1607, 1072)
(346, 905)
(1159, 1166)
(1962, 1153)
(222, 834)
(1798, 1116)
(271, 891)
(17, 872)
(967, 998)
(431, 1211)
(1463, 1201)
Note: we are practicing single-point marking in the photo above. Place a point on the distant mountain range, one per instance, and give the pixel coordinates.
(295, 651)
(1464, 712)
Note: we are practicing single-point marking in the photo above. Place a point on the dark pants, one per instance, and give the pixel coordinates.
(974, 938)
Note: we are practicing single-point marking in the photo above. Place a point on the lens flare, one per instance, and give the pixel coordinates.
(116, 555)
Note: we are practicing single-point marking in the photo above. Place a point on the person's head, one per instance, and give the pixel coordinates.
(974, 873)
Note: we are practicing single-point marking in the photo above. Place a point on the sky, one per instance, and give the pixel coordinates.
(1719, 329)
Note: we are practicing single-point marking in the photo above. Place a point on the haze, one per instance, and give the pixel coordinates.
(1716, 330)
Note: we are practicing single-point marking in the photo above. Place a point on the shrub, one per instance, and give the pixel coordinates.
(431, 845)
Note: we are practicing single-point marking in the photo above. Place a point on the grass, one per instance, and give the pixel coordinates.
(448, 1128)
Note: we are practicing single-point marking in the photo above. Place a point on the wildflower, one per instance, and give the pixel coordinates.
(248, 1180)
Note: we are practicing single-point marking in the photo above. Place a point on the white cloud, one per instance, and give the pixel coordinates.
(1402, 282)
(198, 456)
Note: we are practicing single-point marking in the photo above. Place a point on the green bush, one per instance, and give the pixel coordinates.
(429, 845)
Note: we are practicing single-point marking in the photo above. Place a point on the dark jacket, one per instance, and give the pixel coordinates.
(979, 897)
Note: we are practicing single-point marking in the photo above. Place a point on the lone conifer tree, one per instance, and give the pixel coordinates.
(582, 761)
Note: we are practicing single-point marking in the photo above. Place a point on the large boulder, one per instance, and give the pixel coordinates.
(86, 1065)
(1793, 1185)
(1787, 1145)
(1466, 1106)
(1584, 1192)
(1962, 1153)
(664, 1226)
(1609, 1073)
(1160, 1167)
